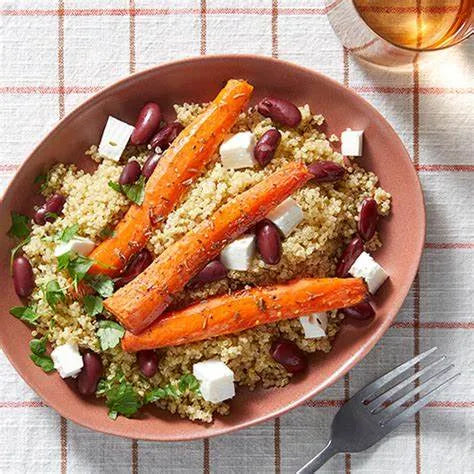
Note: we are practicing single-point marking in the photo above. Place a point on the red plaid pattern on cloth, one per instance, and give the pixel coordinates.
(44, 76)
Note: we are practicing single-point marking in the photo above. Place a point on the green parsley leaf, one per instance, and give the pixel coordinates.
(41, 178)
(68, 233)
(102, 387)
(20, 227)
(38, 349)
(187, 382)
(15, 249)
(109, 334)
(51, 215)
(106, 232)
(103, 284)
(45, 362)
(115, 186)
(154, 395)
(135, 191)
(93, 304)
(120, 397)
(76, 265)
(38, 346)
(53, 293)
(64, 259)
(25, 313)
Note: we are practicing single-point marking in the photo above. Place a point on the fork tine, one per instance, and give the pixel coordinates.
(376, 402)
(392, 408)
(381, 381)
(392, 423)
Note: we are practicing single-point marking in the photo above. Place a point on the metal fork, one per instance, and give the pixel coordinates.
(378, 408)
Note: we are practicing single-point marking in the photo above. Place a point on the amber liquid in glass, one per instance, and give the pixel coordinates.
(418, 24)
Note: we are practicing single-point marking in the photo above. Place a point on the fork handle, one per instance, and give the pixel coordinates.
(325, 455)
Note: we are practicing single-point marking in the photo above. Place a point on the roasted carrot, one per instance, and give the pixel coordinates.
(179, 166)
(245, 309)
(139, 303)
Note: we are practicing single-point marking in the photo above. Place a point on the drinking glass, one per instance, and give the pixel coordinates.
(396, 32)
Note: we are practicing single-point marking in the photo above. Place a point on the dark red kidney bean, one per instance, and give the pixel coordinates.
(213, 271)
(326, 171)
(280, 110)
(354, 248)
(150, 164)
(166, 135)
(130, 173)
(266, 146)
(23, 279)
(368, 217)
(147, 122)
(141, 260)
(148, 362)
(50, 209)
(54, 205)
(289, 355)
(268, 241)
(362, 310)
(39, 216)
(90, 374)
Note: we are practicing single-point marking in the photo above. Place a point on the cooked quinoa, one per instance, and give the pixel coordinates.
(330, 220)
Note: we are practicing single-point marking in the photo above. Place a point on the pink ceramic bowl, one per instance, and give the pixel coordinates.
(198, 80)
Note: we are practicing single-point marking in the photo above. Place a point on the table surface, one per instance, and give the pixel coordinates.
(55, 54)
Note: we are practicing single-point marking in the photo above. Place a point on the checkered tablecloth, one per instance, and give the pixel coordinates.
(55, 54)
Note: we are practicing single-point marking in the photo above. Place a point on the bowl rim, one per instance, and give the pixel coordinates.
(342, 369)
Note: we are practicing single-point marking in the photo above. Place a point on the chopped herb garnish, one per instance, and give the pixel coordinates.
(68, 233)
(25, 313)
(103, 284)
(53, 293)
(135, 191)
(15, 249)
(93, 304)
(76, 265)
(64, 259)
(42, 179)
(115, 186)
(38, 356)
(20, 227)
(120, 396)
(187, 383)
(106, 232)
(109, 334)
(51, 215)
(79, 267)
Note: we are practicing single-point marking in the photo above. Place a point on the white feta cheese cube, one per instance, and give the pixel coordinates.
(238, 254)
(351, 142)
(237, 151)
(314, 325)
(216, 380)
(115, 138)
(367, 268)
(79, 245)
(67, 360)
(286, 216)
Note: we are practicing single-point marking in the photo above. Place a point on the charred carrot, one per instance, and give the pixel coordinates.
(246, 309)
(139, 303)
(179, 166)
